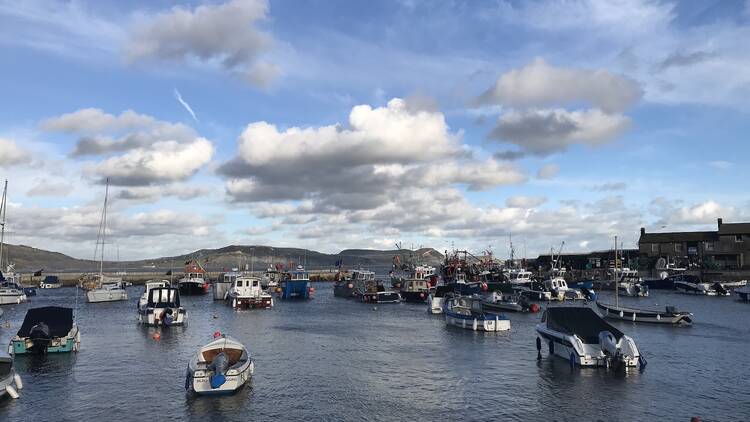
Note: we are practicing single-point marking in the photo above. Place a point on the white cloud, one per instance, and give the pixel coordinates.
(525, 201)
(703, 213)
(539, 84)
(45, 187)
(225, 34)
(11, 154)
(548, 171)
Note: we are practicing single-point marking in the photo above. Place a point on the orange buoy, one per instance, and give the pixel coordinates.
(157, 336)
(217, 334)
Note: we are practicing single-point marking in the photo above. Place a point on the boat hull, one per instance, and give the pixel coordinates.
(489, 322)
(221, 290)
(343, 290)
(502, 307)
(414, 297)
(189, 288)
(263, 302)
(380, 297)
(151, 317)
(295, 290)
(639, 315)
(70, 343)
(10, 381)
(199, 381)
(12, 298)
(435, 305)
(98, 296)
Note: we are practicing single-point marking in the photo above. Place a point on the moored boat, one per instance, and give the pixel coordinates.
(296, 284)
(143, 300)
(436, 299)
(194, 280)
(466, 312)
(10, 381)
(670, 315)
(11, 294)
(224, 283)
(696, 287)
(223, 366)
(500, 302)
(271, 278)
(374, 291)
(415, 290)
(105, 290)
(246, 292)
(344, 287)
(48, 329)
(743, 293)
(162, 308)
(581, 336)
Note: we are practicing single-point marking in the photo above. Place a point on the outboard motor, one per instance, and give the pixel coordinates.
(40, 338)
(720, 289)
(167, 318)
(608, 343)
(219, 366)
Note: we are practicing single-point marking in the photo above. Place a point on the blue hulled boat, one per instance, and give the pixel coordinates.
(296, 284)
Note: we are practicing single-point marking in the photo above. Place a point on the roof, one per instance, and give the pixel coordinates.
(734, 228)
(58, 319)
(678, 237)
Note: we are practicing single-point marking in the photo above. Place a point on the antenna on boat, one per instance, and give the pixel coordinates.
(3, 206)
(617, 283)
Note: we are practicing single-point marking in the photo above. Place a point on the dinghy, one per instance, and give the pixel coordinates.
(49, 329)
(670, 315)
(582, 337)
(220, 367)
(162, 308)
(10, 381)
(466, 312)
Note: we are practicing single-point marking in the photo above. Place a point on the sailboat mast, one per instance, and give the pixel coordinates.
(3, 205)
(104, 230)
(617, 283)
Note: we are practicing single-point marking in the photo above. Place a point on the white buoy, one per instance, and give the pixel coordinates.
(658, 317)
(19, 383)
(12, 392)
(621, 314)
(474, 326)
(633, 316)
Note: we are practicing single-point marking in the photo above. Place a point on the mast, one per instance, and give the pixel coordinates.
(3, 206)
(104, 231)
(617, 283)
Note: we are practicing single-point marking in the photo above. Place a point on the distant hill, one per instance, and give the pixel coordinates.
(31, 259)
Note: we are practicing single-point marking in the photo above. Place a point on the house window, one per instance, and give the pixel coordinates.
(678, 247)
(709, 246)
(738, 238)
(654, 247)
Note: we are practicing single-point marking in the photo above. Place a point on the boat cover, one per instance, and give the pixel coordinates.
(51, 279)
(583, 322)
(58, 319)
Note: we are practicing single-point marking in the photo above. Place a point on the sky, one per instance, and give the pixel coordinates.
(355, 124)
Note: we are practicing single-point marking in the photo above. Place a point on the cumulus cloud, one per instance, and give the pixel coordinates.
(541, 84)
(183, 192)
(45, 187)
(226, 34)
(704, 212)
(163, 162)
(11, 154)
(548, 171)
(525, 201)
(543, 132)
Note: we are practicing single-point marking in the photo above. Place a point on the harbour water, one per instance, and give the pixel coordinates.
(336, 359)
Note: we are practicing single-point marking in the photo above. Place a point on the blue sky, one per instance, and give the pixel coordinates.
(337, 124)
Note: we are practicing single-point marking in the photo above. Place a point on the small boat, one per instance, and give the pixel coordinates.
(499, 302)
(107, 292)
(631, 284)
(107, 289)
(697, 287)
(48, 329)
(162, 308)
(733, 284)
(466, 312)
(296, 285)
(668, 282)
(220, 367)
(436, 299)
(50, 282)
(345, 287)
(415, 288)
(11, 293)
(743, 293)
(517, 276)
(271, 278)
(670, 315)
(581, 336)
(10, 381)
(534, 291)
(374, 291)
(559, 289)
(246, 292)
(143, 300)
(224, 283)
(193, 282)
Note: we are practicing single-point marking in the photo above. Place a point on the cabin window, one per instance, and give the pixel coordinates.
(255, 283)
(678, 247)
(738, 238)
(709, 246)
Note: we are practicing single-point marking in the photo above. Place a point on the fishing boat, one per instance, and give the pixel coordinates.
(416, 288)
(223, 366)
(670, 315)
(534, 291)
(582, 337)
(344, 287)
(517, 276)
(743, 293)
(696, 287)
(500, 302)
(48, 329)
(106, 290)
(559, 290)
(466, 312)
(162, 308)
(374, 291)
(193, 282)
(224, 283)
(246, 292)
(271, 278)
(10, 381)
(50, 282)
(296, 284)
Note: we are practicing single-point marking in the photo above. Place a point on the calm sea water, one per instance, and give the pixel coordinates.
(336, 359)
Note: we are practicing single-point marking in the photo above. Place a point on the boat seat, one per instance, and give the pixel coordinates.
(234, 355)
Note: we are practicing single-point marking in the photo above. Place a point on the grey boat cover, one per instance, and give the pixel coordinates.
(58, 319)
(581, 321)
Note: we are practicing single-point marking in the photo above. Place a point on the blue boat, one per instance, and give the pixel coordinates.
(48, 329)
(296, 284)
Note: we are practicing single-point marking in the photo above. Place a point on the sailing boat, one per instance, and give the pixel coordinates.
(107, 289)
(11, 291)
(670, 315)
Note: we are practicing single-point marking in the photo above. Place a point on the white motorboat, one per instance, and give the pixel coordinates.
(466, 312)
(163, 308)
(50, 282)
(631, 284)
(105, 289)
(224, 283)
(220, 367)
(733, 284)
(670, 315)
(11, 294)
(107, 292)
(517, 275)
(10, 381)
(558, 287)
(436, 298)
(246, 292)
(143, 301)
(581, 336)
(271, 278)
(696, 287)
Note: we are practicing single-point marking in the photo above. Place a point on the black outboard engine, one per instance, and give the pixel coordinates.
(40, 338)
(720, 289)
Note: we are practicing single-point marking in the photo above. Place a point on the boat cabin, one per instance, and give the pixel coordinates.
(298, 275)
(246, 286)
(194, 270)
(415, 286)
(362, 275)
(230, 277)
(517, 275)
(163, 297)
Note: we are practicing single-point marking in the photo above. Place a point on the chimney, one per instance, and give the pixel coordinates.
(719, 221)
(643, 231)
